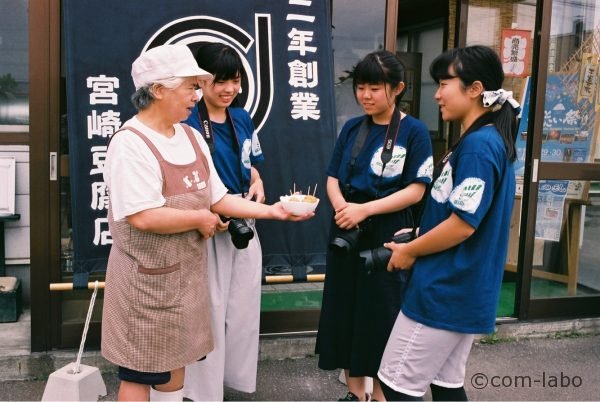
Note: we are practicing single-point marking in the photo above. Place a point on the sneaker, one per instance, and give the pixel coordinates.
(349, 397)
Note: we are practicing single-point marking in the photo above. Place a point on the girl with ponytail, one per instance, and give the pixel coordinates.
(457, 261)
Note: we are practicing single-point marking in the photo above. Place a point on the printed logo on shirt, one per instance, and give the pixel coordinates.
(468, 194)
(394, 167)
(256, 149)
(441, 189)
(194, 180)
(246, 149)
(426, 169)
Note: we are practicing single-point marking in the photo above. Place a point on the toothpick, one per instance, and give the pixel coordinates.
(308, 192)
(315, 189)
(294, 188)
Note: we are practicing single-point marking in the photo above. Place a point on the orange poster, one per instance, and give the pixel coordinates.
(516, 46)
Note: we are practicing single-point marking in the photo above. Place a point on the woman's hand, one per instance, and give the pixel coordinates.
(221, 226)
(401, 256)
(279, 213)
(208, 224)
(350, 216)
(256, 191)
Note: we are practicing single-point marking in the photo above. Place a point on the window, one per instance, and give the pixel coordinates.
(14, 69)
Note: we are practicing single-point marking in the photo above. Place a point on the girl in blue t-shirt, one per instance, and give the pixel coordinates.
(234, 270)
(458, 259)
(377, 171)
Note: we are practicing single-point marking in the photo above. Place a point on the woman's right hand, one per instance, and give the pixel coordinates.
(221, 226)
(208, 223)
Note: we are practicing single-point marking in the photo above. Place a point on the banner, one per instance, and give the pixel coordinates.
(516, 46)
(286, 48)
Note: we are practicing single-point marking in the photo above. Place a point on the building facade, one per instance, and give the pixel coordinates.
(551, 55)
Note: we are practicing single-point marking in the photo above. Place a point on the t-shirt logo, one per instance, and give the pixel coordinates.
(426, 169)
(394, 167)
(256, 149)
(441, 189)
(194, 180)
(246, 149)
(468, 194)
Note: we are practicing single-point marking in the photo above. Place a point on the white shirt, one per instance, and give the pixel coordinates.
(133, 174)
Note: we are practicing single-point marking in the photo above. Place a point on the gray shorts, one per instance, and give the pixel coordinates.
(417, 355)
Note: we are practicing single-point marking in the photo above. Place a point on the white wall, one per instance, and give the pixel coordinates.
(16, 233)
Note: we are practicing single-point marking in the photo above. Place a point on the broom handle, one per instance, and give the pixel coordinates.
(85, 328)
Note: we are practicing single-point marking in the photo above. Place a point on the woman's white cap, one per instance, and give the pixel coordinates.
(164, 62)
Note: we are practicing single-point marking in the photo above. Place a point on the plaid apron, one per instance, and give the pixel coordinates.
(156, 314)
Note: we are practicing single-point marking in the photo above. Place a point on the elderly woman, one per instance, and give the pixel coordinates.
(164, 190)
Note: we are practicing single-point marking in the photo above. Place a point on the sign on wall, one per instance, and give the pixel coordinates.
(286, 48)
(516, 46)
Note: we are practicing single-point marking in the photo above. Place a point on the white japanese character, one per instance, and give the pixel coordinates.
(304, 105)
(98, 159)
(103, 90)
(100, 197)
(303, 75)
(101, 237)
(299, 39)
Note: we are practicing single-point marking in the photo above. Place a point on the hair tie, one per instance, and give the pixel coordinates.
(495, 100)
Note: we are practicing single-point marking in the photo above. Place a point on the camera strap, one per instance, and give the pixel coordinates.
(388, 143)
(208, 134)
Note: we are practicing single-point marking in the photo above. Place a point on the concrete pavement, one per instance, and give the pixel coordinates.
(554, 366)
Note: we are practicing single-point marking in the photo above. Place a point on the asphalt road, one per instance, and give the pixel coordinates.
(531, 369)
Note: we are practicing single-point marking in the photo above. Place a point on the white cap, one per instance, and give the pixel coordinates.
(164, 62)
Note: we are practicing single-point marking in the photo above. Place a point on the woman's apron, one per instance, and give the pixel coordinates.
(156, 315)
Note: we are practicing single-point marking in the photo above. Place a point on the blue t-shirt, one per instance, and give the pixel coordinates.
(411, 162)
(227, 162)
(458, 289)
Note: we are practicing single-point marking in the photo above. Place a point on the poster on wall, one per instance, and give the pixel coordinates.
(568, 132)
(550, 207)
(286, 49)
(516, 47)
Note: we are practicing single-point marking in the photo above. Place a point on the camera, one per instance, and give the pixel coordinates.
(240, 232)
(345, 240)
(377, 259)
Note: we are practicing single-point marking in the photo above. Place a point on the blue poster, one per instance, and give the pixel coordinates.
(286, 48)
(568, 123)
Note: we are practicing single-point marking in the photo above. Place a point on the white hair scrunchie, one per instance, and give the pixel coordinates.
(495, 100)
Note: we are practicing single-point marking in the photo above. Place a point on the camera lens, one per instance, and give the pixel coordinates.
(345, 240)
(241, 234)
(376, 259)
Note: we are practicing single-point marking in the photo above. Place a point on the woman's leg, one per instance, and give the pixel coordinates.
(132, 391)
(356, 385)
(378, 394)
(391, 395)
(170, 391)
(448, 394)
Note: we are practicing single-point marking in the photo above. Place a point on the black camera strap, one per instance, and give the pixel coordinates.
(208, 134)
(388, 143)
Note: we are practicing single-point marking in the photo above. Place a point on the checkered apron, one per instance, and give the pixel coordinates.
(156, 314)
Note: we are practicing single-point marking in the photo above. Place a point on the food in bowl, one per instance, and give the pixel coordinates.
(299, 204)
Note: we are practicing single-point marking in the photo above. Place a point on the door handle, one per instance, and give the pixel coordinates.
(53, 166)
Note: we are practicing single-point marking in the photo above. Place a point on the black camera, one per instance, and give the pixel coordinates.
(345, 240)
(377, 259)
(240, 232)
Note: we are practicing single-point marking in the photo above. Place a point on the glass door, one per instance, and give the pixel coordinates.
(563, 230)
(508, 27)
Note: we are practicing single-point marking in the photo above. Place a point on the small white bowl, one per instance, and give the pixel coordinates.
(296, 205)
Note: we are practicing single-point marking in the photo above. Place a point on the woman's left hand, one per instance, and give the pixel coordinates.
(350, 216)
(401, 257)
(279, 213)
(256, 191)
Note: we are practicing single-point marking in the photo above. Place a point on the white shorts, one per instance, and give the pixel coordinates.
(417, 355)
